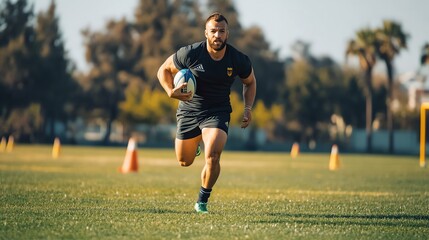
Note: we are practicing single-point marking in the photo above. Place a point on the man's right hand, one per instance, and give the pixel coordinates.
(178, 94)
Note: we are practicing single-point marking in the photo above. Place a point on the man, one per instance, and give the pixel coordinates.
(205, 116)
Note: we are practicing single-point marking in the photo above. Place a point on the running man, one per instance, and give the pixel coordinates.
(205, 117)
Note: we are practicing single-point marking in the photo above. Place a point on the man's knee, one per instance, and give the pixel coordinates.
(213, 158)
(185, 162)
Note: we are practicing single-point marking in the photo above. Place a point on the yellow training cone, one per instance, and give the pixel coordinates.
(130, 162)
(3, 144)
(56, 148)
(334, 161)
(10, 144)
(295, 150)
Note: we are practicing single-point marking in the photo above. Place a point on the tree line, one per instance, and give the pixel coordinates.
(298, 98)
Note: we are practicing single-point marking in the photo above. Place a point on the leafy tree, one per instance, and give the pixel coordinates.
(148, 106)
(352, 99)
(390, 39)
(186, 24)
(363, 46)
(23, 121)
(131, 52)
(151, 20)
(18, 55)
(311, 94)
(111, 55)
(55, 84)
(20, 63)
(267, 66)
(15, 19)
(262, 116)
(162, 28)
(34, 70)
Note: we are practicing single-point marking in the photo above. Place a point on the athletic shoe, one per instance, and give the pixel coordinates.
(198, 150)
(201, 207)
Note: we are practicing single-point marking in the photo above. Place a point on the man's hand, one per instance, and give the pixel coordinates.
(247, 118)
(178, 94)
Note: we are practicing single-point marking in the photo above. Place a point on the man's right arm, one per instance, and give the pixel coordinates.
(166, 79)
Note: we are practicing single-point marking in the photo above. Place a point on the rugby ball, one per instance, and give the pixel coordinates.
(185, 75)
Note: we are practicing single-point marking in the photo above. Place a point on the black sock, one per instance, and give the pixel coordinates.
(204, 195)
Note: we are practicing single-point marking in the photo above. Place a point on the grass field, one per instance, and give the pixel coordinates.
(258, 196)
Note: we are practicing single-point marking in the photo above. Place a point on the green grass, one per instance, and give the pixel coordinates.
(258, 196)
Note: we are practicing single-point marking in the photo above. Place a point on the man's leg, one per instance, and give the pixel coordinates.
(214, 141)
(185, 150)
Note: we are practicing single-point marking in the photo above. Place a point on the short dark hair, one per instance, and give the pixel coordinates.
(218, 17)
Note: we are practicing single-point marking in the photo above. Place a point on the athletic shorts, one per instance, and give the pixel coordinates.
(190, 126)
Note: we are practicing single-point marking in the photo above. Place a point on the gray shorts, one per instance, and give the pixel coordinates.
(190, 126)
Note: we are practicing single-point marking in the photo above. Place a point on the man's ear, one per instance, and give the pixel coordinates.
(205, 33)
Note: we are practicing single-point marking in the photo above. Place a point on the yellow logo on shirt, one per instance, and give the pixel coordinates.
(229, 71)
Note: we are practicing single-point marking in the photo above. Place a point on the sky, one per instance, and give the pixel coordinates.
(326, 24)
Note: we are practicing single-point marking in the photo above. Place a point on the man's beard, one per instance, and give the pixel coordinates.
(215, 47)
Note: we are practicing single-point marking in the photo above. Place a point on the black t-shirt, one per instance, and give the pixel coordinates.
(214, 78)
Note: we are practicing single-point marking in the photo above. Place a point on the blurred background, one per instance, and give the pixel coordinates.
(352, 73)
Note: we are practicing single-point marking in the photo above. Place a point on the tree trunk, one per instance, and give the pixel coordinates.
(42, 134)
(389, 104)
(368, 104)
(52, 133)
(369, 124)
(106, 139)
(112, 116)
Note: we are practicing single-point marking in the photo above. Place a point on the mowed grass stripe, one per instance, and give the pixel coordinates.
(81, 195)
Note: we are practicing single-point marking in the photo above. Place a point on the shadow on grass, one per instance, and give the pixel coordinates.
(157, 211)
(333, 219)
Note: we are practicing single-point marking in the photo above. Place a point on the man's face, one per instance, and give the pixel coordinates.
(216, 34)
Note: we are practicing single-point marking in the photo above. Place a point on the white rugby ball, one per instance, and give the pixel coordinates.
(185, 75)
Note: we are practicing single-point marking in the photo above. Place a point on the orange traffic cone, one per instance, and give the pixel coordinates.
(295, 150)
(10, 144)
(56, 148)
(130, 162)
(334, 161)
(3, 144)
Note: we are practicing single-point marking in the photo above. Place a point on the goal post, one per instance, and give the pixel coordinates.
(424, 107)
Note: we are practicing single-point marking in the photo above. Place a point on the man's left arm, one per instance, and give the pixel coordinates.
(249, 92)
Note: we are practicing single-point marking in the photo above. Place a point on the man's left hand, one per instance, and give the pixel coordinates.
(247, 118)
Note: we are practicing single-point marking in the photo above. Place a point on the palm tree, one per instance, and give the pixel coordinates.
(390, 40)
(363, 47)
(423, 72)
(425, 54)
